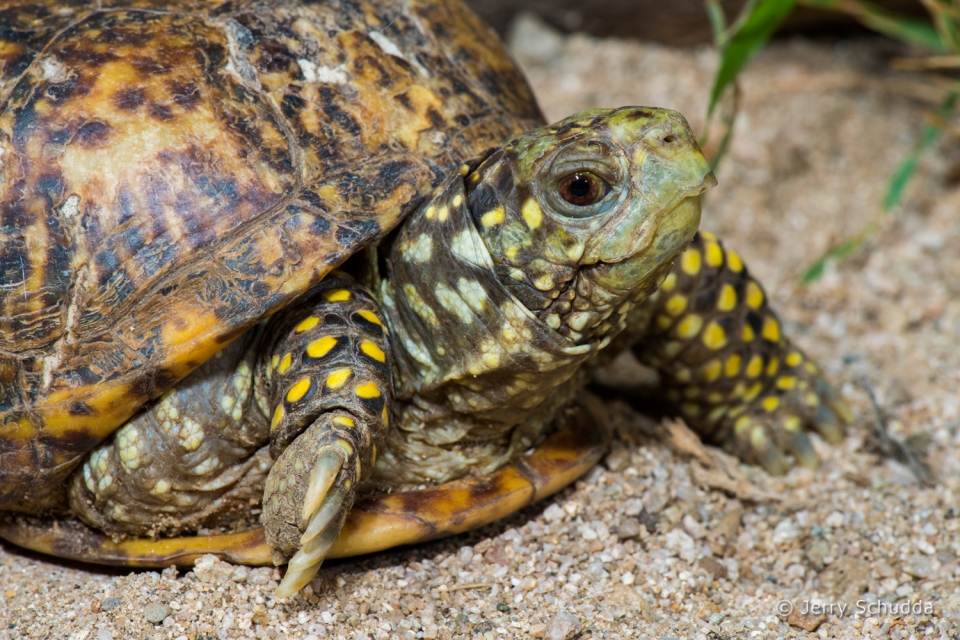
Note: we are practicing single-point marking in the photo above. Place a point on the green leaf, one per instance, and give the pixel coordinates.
(909, 30)
(815, 272)
(751, 32)
(908, 166)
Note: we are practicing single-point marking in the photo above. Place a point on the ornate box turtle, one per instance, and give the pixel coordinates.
(272, 261)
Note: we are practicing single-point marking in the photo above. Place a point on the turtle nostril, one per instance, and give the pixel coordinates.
(669, 139)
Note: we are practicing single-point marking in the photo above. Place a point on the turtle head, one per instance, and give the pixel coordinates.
(586, 216)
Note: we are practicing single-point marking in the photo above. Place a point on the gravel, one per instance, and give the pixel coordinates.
(643, 547)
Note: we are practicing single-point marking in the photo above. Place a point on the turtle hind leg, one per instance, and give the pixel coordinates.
(331, 390)
(189, 460)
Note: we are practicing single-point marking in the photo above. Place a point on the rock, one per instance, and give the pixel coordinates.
(155, 613)
(628, 529)
(533, 40)
(562, 626)
(240, 574)
(847, 577)
(211, 569)
(713, 566)
(538, 630)
(917, 565)
(807, 622)
(109, 604)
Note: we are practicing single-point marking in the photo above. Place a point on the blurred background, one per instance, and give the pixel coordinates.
(678, 22)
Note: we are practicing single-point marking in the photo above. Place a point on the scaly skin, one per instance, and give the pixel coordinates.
(726, 365)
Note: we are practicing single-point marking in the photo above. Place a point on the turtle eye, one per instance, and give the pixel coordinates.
(582, 188)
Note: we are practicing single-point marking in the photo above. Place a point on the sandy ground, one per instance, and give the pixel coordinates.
(654, 543)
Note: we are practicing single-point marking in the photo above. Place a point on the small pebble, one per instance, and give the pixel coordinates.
(109, 604)
(563, 626)
(155, 613)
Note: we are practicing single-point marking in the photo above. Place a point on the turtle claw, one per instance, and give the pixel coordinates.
(305, 563)
(325, 470)
(828, 424)
(772, 460)
(802, 450)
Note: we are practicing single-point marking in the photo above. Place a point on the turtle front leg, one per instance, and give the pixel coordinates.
(329, 374)
(725, 363)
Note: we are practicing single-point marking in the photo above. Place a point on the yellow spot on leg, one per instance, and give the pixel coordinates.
(338, 378)
(786, 382)
(370, 316)
(277, 417)
(794, 358)
(772, 367)
(285, 364)
(713, 254)
(727, 300)
(689, 327)
(368, 390)
(714, 337)
(337, 295)
(734, 263)
(344, 421)
(771, 329)
(300, 389)
(711, 370)
(373, 351)
(321, 347)
(755, 367)
(770, 403)
(754, 295)
(690, 262)
(669, 282)
(753, 392)
(732, 367)
(306, 324)
(676, 304)
(748, 334)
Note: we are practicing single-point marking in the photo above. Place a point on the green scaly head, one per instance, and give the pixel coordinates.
(587, 215)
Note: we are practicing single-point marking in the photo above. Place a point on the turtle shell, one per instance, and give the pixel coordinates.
(173, 172)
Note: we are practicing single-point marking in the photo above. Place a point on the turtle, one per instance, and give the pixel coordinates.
(291, 280)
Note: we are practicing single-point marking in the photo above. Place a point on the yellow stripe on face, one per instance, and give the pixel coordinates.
(337, 295)
(373, 351)
(338, 378)
(321, 347)
(306, 324)
(370, 316)
(531, 214)
(368, 390)
(297, 391)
